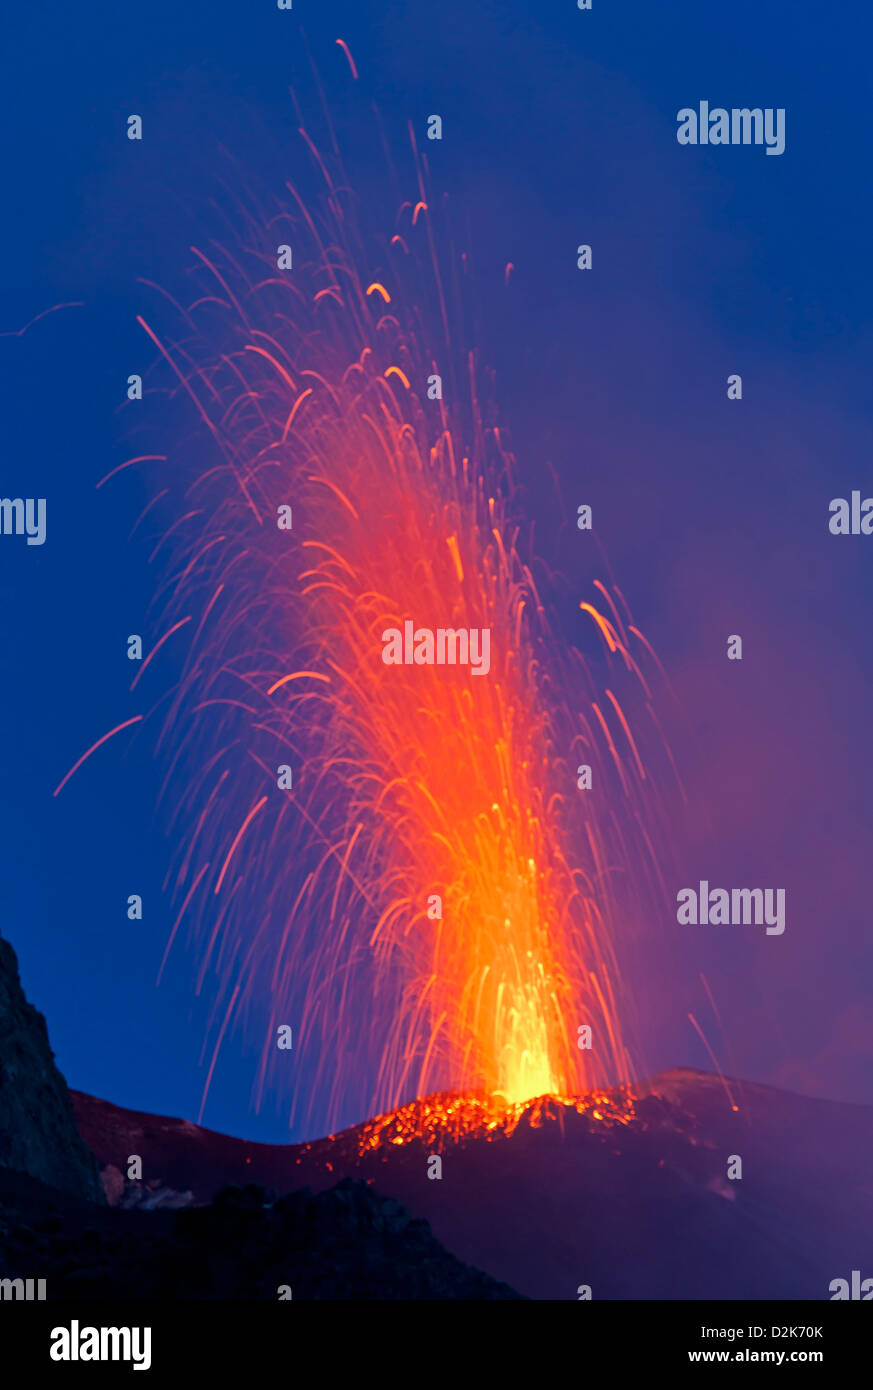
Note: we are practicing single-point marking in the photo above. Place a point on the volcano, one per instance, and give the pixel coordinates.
(627, 1194)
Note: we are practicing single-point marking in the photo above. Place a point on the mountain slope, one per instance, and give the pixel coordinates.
(634, 1205)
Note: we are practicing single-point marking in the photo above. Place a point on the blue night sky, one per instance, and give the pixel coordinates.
(559, 128)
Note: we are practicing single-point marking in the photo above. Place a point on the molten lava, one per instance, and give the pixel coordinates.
(396, 859)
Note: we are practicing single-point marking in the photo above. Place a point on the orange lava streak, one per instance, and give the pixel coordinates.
(94, 746)
(157, 647)
(380, 289)
(128, 463)
(296, 676)
(345, 48)
(239, 834)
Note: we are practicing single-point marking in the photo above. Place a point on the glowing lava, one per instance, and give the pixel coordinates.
(441, 1119)
(339, 495)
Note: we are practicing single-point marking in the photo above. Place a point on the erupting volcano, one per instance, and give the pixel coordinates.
(351, 878)
(400, 839)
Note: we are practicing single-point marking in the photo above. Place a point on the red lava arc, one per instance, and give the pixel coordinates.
(406, 843)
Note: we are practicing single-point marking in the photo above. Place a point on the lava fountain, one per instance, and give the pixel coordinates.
(402, 843)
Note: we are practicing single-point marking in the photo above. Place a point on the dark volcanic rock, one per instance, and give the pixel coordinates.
(642, 1209)
(38, 1133)
(346, 1243)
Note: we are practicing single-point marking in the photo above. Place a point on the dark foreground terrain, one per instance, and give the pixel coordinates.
(642, 1209)
(632, 1202)
(147, 1242)
(347, 1243)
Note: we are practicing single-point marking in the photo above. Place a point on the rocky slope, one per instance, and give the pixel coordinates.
(636, 1197)
(38, 1133)
(636, 1207)
(346, 1243)
(55, 1223)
